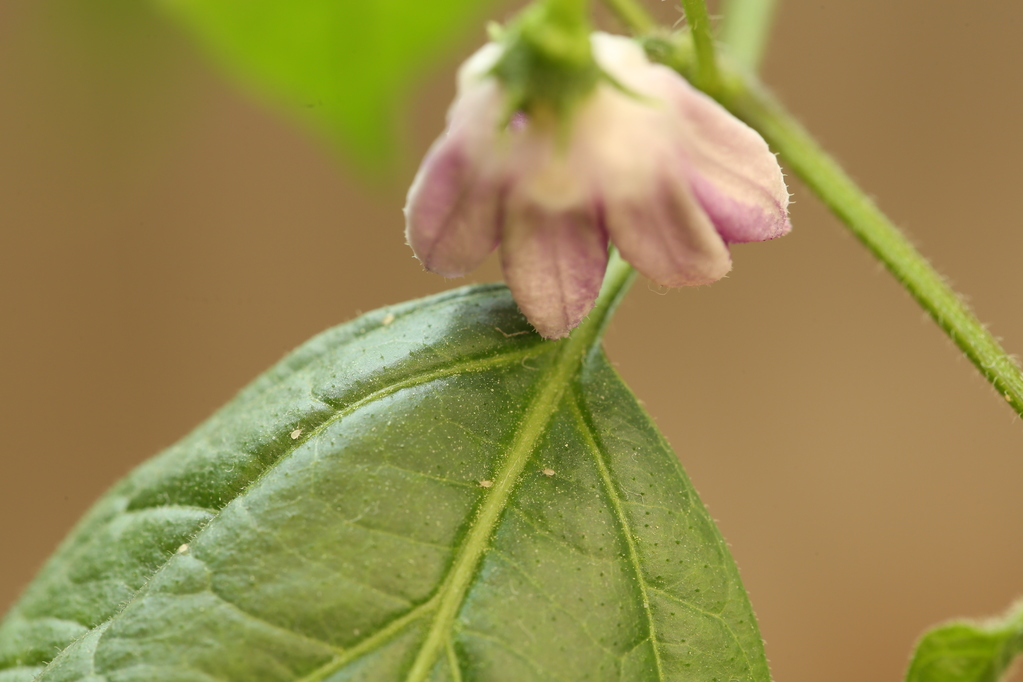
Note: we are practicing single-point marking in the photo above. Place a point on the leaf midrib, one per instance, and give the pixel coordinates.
(539, 412)
(463, 571)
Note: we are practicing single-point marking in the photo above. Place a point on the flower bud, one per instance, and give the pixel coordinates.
(638, 157)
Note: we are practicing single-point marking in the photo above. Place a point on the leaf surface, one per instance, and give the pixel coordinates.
(965, 651)
(343, 64)
(430, 492)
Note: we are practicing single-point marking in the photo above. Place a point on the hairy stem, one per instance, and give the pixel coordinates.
(800, 152)
(635, 17)
(617, 280)
(707, 75)
(746, 98)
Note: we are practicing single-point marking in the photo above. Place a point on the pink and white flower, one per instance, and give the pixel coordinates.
(645, 161)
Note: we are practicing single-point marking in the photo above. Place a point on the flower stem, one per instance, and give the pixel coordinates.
(745, 29)
(571, 11)
(746, 98)
(632, 15)
(800, 152)
(707, 75)
(617, 279)
(640, 23)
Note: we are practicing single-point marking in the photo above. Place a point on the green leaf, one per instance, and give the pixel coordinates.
(431, 492)
(342, 64)
(965, 651)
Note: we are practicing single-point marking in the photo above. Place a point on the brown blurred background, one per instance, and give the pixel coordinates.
(163, 239)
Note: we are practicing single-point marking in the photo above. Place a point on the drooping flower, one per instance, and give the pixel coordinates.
(643, 160)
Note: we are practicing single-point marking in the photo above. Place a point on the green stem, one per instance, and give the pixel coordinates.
(708, 77)
(747, 99)
(745, 29)
(617, 280)
(633, 16)
(800, 152)
(639, 22)
(572, 12)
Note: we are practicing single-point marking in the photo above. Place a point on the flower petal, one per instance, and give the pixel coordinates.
(666, 235)
(478, 66)
(619, 56)
(554, 264)
(452, 217)
(642, 166)
(734, 175)
(452, 214)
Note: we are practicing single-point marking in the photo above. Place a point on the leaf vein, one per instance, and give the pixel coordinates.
(561, 541)
(380, 637)
(248, 614)
(399, 536)
(540, 672)
(590, 437)
(432, 477)
(539, 588)
(284, 546)
(453, 664)
(710, 614)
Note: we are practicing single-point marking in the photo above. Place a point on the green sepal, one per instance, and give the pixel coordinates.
(547, 65)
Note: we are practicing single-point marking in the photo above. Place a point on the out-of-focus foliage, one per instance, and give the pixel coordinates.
(343, 64)
(963, 651)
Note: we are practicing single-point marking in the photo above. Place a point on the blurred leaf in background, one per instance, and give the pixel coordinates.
(343, 64)
(964, 651)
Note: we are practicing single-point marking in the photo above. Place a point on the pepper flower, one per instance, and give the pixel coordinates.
(643, 160)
